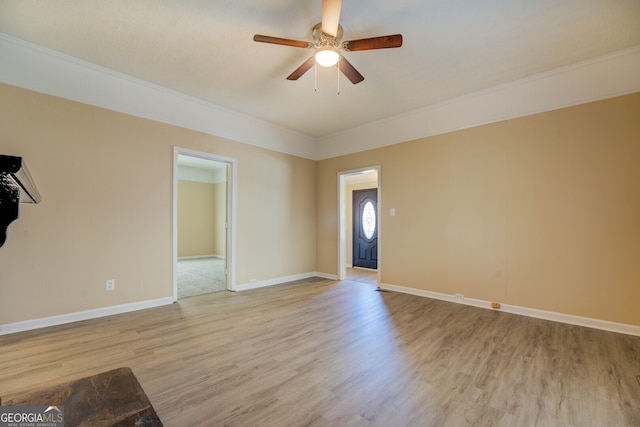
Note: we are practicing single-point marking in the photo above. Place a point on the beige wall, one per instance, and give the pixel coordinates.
(201, 219)
(540, 212)
(106, 213)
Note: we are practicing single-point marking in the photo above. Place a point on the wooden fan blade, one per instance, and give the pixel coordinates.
(302, 69)
(350, 71)
(331, 16)
(277, 40)
(382, 42)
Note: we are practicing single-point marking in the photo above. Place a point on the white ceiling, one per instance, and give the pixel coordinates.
(198, 169)
(199, 163)
(204, 48)
(361, 177)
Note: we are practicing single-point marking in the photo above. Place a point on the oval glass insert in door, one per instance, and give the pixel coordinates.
(369, 220)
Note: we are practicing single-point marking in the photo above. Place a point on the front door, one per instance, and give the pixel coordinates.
(365, 228)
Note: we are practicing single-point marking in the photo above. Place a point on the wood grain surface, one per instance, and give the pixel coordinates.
(327, 353)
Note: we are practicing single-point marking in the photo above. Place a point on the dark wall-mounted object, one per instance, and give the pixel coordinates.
(16, 185)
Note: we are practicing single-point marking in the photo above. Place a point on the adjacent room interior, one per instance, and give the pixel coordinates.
(202, 231)
(440, 228)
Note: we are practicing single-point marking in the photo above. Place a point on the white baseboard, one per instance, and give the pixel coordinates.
(280, 280)
(523, 311)
(325, 275)
(200, 257)
(44, 322)
(62, 319)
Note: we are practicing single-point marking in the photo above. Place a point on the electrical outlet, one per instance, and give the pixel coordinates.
(110, 285)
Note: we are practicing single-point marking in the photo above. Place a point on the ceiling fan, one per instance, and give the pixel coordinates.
(327, 36)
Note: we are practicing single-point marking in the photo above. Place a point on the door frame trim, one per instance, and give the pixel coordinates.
(342, 218)
(230, 256)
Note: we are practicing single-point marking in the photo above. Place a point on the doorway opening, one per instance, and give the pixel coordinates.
(203, 223)
(349, 182)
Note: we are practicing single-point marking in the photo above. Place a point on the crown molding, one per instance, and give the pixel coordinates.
(34, 67)
(593, 80)
(43, 70)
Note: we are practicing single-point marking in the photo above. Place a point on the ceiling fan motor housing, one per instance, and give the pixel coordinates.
(328, 44)
(325, 40)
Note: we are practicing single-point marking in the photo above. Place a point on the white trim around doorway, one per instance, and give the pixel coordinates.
(231, 214)
(342, 218)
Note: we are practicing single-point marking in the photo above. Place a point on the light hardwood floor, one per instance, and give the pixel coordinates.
(326, 353)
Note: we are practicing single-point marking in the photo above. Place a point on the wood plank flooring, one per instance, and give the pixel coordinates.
(326, 353)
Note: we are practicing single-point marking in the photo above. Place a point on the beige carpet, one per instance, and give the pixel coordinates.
(200, 276)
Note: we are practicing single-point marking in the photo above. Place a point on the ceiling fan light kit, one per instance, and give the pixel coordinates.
(327, 36)
(327, 57)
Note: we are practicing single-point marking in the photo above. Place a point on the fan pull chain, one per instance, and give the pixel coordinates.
(315, 77)
(338, 67)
